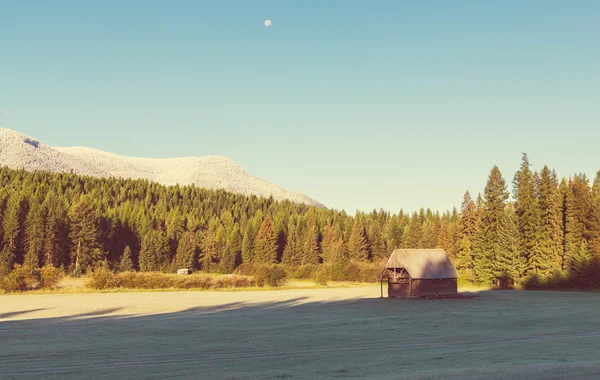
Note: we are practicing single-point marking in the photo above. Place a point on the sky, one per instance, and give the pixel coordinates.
(361, 105)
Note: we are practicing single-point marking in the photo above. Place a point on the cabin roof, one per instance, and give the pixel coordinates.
(422, 263)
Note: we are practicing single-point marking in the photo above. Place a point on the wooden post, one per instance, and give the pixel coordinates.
(381, 283)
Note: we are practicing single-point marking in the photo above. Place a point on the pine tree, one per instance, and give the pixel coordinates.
(509, 265)
(246, 248)
(55, 246)
(551, 222)
(465, 262)
(577, 217)
(444, 240)
(265, 245)
(11, 224)
(126, 264)
(6, 261)
(487, 234)
(375, 235)
(290, 256)
(329, 241)
(84, 234)
(339, 253)
(594, 245)
(528, 216)
(211, 251)
(311, 247)
(358, 247)
(233, 250)
(563, 191)
(413, 234)
(187, 254)
(34, 234)
(154, 253)
(393, 234)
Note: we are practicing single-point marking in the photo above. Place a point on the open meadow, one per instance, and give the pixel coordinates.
(306, 334)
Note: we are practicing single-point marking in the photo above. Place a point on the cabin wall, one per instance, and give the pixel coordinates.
(434, 287)
(399, 288)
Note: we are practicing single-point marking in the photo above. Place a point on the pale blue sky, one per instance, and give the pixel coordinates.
(359, 104)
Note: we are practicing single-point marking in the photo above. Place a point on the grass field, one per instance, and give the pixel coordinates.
(299, 334)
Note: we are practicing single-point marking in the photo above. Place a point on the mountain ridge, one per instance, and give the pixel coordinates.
(18, 150)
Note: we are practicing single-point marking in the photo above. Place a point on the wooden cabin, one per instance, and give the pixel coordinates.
(419, 273)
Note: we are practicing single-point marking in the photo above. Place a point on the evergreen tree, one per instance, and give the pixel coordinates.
(487, 234)
(84, 235)
(265, 245)
(56, 244)
(154, 254)
(393, 234)
(11, 224)
(290, 256)
(528, 216)
(413, 234)
(563, 191)
(551, 222)
(34, 234)
(510, 265)
(465, 261)
(329, 241)
(311, 247)
(211, 251)
(233, 250)
(594, 245)
(577, 217)
(246, 248)
(375, 236)
(187, 255)
(126, 264)
(358, 247)
(339, 253)
(6, 261)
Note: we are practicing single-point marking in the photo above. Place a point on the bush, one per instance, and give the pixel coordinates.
(49, 276)
(20, 279)
(302, 272)
(271, 275)
(101, 278)
(321, 276)
(247, 269)
(349, 271)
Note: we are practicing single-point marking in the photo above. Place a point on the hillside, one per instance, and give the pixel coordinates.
(212, 172)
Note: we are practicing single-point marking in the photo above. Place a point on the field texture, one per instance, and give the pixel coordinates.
(299, 334)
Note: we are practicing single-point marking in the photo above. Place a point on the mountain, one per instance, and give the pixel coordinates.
(212, 172)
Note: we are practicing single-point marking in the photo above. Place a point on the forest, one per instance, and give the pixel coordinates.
(545, 229)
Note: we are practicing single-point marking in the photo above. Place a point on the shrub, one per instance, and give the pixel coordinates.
(101, 278)
(49, 276)
(534, 281)
(271, 275)
(321, 276)
(302, 272)
(20, 279)
(247, 269)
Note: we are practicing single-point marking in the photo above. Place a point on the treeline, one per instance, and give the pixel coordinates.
(550, 232)
(78, 223)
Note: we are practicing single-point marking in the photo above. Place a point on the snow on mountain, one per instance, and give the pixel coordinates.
(211, 172)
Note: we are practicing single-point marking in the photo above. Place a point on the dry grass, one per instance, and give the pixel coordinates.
(299, 334)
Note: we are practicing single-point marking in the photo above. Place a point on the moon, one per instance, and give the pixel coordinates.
(268, 22)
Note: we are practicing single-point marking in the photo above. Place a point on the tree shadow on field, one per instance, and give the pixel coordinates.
(302, 338)
(21, 312)
(95, 313)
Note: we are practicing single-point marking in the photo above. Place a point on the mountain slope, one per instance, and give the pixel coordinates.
(212, 172)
